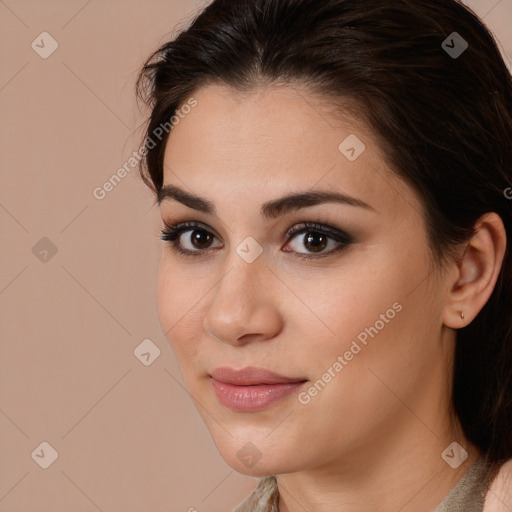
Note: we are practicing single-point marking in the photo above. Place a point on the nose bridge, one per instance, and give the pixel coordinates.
(240, 304)
(240, 287)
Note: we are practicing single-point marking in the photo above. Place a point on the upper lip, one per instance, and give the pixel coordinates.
(250, 376)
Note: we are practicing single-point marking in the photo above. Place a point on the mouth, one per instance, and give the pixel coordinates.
(252, 389)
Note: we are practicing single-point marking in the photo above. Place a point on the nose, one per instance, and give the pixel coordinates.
(244, 304)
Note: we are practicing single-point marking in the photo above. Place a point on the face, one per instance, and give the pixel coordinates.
(300, 344)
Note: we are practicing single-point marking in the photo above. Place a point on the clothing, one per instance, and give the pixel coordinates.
(265, 498)
(468, 494)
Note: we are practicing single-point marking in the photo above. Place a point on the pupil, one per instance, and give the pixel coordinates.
(318, 241)
(200, 238)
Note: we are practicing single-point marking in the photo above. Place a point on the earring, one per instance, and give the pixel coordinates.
(462, 315)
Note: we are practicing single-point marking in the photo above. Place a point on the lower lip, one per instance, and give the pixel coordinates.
(252, 398)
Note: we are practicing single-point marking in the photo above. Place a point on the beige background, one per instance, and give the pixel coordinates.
(128, 437)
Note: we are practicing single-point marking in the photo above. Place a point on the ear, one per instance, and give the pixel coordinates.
(476, 272)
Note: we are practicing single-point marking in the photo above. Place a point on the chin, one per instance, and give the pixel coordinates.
(258, 459)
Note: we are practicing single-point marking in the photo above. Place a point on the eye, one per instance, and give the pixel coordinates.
(196, 243)
(194, 239)
(316, 238)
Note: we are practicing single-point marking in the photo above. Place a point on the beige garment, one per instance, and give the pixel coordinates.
(468, 494)
(265, 498)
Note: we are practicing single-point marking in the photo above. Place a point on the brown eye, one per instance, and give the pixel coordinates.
(315, 241)
(201, 239)
(189, 238)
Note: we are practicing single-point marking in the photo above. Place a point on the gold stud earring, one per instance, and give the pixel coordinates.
(462, 315)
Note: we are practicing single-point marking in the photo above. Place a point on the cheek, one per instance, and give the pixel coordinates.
(371, 309)
(380, 343)
(167, 302)
(349, 298)
(178, 300)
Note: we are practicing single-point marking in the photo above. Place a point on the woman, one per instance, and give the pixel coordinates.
(334, 182)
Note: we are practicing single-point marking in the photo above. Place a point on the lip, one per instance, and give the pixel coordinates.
(251, 389)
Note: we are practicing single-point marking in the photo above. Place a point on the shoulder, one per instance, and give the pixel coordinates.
(499, 496)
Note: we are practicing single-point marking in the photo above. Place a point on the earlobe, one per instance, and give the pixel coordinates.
(476, 272)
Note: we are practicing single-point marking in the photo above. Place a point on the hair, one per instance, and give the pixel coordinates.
(444, 123)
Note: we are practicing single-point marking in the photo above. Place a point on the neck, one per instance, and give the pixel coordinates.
(396, 472)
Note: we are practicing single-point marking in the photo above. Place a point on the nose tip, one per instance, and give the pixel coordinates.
(242, 310)
(238, 330)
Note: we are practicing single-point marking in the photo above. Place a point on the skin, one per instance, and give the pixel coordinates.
(372, 439)
(499, 497)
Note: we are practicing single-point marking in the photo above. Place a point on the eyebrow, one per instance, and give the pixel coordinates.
(271, 209)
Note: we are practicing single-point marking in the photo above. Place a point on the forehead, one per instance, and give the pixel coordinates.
(275, 139)
(268, 116)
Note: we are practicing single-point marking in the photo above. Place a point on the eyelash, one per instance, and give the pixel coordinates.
(171, 234)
